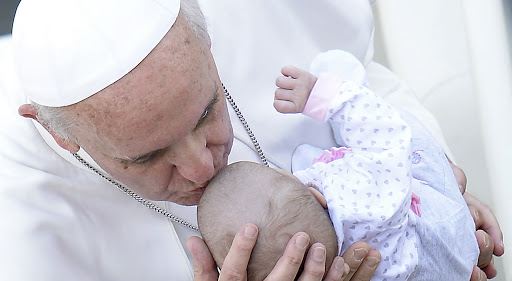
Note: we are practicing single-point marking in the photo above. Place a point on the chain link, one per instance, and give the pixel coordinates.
(246, 126)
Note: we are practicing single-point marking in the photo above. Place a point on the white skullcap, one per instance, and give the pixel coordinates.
(67, 50)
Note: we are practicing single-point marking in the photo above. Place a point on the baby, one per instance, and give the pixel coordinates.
(389, 184)
(279, 204)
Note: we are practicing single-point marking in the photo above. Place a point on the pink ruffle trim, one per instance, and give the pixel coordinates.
(415, 204)
(328, 156)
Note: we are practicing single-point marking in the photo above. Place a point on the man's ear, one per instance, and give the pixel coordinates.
(28, 111)
(319, 196)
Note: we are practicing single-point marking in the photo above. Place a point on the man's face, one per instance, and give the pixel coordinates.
(163, 129)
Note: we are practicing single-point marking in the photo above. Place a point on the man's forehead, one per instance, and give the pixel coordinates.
(125, 117)
(135, 125)
(155, 81)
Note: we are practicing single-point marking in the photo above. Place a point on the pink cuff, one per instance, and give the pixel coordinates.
(326, 88)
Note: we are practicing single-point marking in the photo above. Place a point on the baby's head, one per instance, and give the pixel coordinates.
(276, 202)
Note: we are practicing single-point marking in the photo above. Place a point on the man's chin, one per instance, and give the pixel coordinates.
(189, 200)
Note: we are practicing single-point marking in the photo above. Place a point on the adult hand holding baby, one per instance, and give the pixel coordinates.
(357, 264)
(488, 232)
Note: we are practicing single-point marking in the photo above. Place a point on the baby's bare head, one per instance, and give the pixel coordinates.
(277, 203)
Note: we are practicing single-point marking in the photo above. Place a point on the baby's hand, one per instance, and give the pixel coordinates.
(293, 89)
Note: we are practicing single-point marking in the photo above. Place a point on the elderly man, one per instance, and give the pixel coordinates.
(131, 89)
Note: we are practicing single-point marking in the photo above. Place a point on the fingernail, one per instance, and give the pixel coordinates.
(475, 214)
(339, 263)
(319, 253)
(482, 276)
(372, 262)
(250, 231)
(346, 271)
(302, 241)
(360, 253)
(486, 241)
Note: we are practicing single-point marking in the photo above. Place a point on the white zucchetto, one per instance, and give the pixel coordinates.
(68, 50)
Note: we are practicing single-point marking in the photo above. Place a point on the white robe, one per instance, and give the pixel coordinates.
(60, 221)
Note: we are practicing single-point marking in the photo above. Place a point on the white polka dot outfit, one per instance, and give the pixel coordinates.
(370, 185)
(369, 189)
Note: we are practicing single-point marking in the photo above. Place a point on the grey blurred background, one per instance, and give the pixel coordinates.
(7, 10)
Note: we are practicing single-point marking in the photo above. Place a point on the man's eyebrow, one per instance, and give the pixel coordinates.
(138, 158)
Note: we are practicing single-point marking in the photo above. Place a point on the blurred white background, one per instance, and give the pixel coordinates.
(456, 55)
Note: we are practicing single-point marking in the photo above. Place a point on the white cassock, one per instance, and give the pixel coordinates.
(60, 221)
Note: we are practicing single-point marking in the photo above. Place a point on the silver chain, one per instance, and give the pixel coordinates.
(152, 206)
(246, 126)
(135, 196)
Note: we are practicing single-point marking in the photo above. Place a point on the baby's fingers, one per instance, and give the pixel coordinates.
(292, 71)
(284, 82)
(284, 101)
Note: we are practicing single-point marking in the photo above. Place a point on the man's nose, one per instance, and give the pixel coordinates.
(194, 161)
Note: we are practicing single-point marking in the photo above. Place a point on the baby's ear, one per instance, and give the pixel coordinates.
(319, 196)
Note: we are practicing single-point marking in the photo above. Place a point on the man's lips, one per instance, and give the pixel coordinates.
(199, 189)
